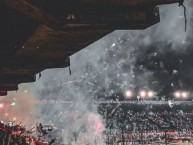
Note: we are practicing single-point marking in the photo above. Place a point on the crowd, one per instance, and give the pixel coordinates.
(128, 126)
(148, 127)
(11, 134)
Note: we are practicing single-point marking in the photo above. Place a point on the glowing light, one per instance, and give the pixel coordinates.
(1, 105)
(128, 94)
(14, 118)
(150, 94)
(181, 94)
(13, 104)
(6, 114)
(184, 94)
(142, 93)
(25, 91)
(177, 94)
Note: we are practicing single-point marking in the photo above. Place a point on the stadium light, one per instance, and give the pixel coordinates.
(181, 94)
(150, 93)
(142, 94)
(184, 94)
(128, 94)
(177, 94)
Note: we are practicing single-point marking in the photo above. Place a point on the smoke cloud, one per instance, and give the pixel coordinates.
(158, 58)
(19, 107)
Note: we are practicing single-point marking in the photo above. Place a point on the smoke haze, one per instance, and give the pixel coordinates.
(158, 58)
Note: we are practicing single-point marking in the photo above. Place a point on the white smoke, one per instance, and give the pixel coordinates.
(105, 68)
